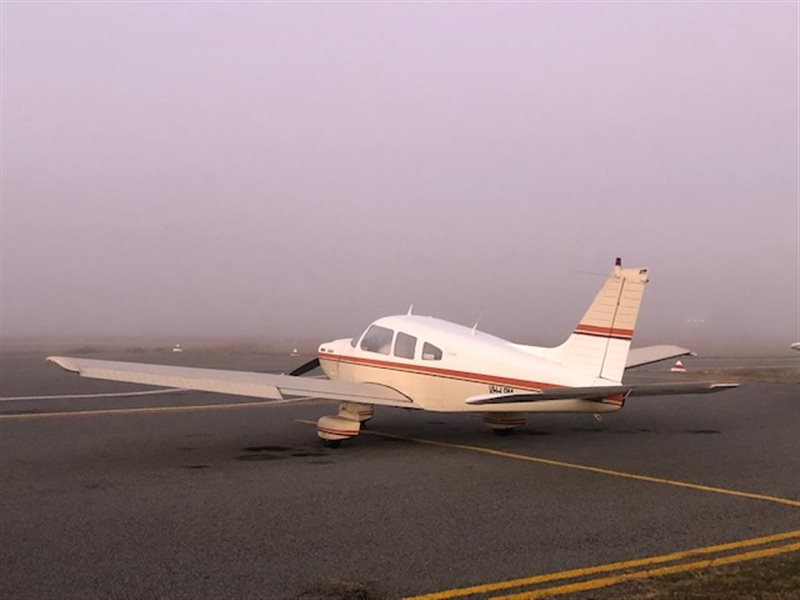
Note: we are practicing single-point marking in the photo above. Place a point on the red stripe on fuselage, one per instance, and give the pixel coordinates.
(439, 372)
(616, 399)
(596, 330)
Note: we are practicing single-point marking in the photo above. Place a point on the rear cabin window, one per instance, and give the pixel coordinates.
(377, 339)
(405, 345)
(431, 352)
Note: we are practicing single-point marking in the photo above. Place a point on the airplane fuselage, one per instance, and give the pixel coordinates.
(437, 364)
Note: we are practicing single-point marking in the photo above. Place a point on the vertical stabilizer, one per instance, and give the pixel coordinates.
(600, 343)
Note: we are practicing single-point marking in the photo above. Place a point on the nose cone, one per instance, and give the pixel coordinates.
(329, 354)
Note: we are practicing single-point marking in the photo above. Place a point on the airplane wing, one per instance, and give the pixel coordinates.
(598, 393)
(238, 383)
(652, 354)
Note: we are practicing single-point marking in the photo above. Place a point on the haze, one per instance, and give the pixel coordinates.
(297, 170)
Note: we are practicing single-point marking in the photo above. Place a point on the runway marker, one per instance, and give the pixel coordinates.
(588, 468)
(105, 395)
(305, 401)
(618, 566)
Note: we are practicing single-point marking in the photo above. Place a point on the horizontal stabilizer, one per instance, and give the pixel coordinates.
(648, 355)
(238, 383)
(598, 393)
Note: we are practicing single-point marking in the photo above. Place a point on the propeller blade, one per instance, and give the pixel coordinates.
(303, 369)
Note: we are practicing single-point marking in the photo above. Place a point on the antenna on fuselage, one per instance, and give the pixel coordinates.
(410, 308)
(475, 327)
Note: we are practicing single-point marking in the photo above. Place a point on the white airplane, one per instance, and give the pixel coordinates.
(417, 362)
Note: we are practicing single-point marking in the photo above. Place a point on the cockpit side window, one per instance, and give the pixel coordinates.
(377, 339)
(431, 352)
(405, 345)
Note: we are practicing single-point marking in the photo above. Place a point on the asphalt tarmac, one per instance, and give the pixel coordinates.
(194, 495)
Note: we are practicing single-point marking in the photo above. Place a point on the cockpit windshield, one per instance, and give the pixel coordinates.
(377, 339)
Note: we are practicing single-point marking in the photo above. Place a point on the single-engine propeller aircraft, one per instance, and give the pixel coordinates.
(417, 362)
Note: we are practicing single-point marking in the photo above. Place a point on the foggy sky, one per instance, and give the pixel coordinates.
(181, 169)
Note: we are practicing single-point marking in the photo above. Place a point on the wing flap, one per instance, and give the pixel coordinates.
(238, 383)
(598, 393)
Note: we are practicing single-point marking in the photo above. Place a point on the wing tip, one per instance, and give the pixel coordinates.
(718, 387)
(65, 362)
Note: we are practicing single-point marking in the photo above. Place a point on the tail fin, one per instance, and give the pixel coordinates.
(600, 343)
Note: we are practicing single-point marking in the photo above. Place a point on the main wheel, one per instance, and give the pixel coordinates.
(331, 443)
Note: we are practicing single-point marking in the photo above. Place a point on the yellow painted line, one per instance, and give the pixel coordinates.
(594, 584)
(616, 566)
(156, 409)
(587, 468)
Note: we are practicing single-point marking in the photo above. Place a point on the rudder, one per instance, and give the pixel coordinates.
(600, 343)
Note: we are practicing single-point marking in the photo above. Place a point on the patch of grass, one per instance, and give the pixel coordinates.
(774, 578)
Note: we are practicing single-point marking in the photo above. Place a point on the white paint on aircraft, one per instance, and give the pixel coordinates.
(419, 362)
